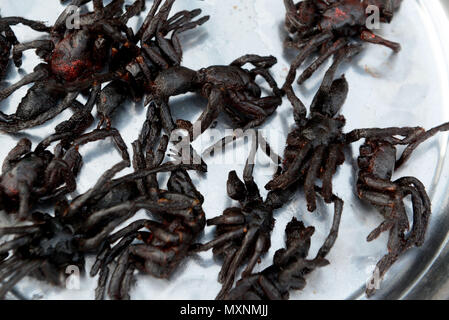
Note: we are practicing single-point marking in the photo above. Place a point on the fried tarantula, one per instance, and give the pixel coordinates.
(290, 266)
(32, 176)
(101, 50)
(154, 246)
(231, 89)
(243, 232)
(315, 146)
(377, 163)
(330, 26)
(44, 249)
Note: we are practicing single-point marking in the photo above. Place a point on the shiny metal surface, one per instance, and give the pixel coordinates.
(410, 88)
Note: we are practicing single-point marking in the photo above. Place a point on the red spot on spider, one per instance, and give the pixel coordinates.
(71, 70)
(340, 13)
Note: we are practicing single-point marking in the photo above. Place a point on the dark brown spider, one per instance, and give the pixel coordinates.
(164, 242)
(331, 25)
(231, 89)
(30, 176)
(377, 162)
(315, 146)
(45, 248)
(243, 232)
(290, 266)
(103, 49)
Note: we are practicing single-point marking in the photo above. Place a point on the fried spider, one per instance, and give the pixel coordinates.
(162, 242)
(101, 50)
(331, 25)
(315, 146)
(30, 176)
(290, 266)
(231, 89)
(244, 231)
(377, 163)
(44, 249)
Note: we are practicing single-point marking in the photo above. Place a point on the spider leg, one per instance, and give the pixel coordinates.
(133, 10)
(242, 287)
(213, 109)
(421, 207)
(23, 147)
(232, 235)
(269, 289)
(313, 43)
(44, 48)
(158, 18)
(102, 282)
(128, 230)
(39, 73)
(333, 234)
(188, 26)
(229, 217)
(238, 258)
(229, 257)
(409, 133)
(17, 125)
(19, 275)
(95, 241)
(329, 170)
(269, 79)
(19, 230)
(258, 61)
(291, 175)
(118, 275)
(384, 226)
(368, 36)
(155, 56)
(259, 248)
(309, 183)
(76, 204)
(420, 139)
(127, 282)
(336, 46)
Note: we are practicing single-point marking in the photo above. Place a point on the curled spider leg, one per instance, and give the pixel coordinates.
(257, 61)
(333, 233)
(420, 139)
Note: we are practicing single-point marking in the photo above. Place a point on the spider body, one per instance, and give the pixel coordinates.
(29, 176)
(315, 146)
(330, 26)
(290, 266)
(231, 89)
(102, 49)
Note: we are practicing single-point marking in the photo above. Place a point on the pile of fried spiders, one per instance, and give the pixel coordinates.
(53, 226)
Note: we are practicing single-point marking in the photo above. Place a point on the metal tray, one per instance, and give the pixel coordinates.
(410, 88)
